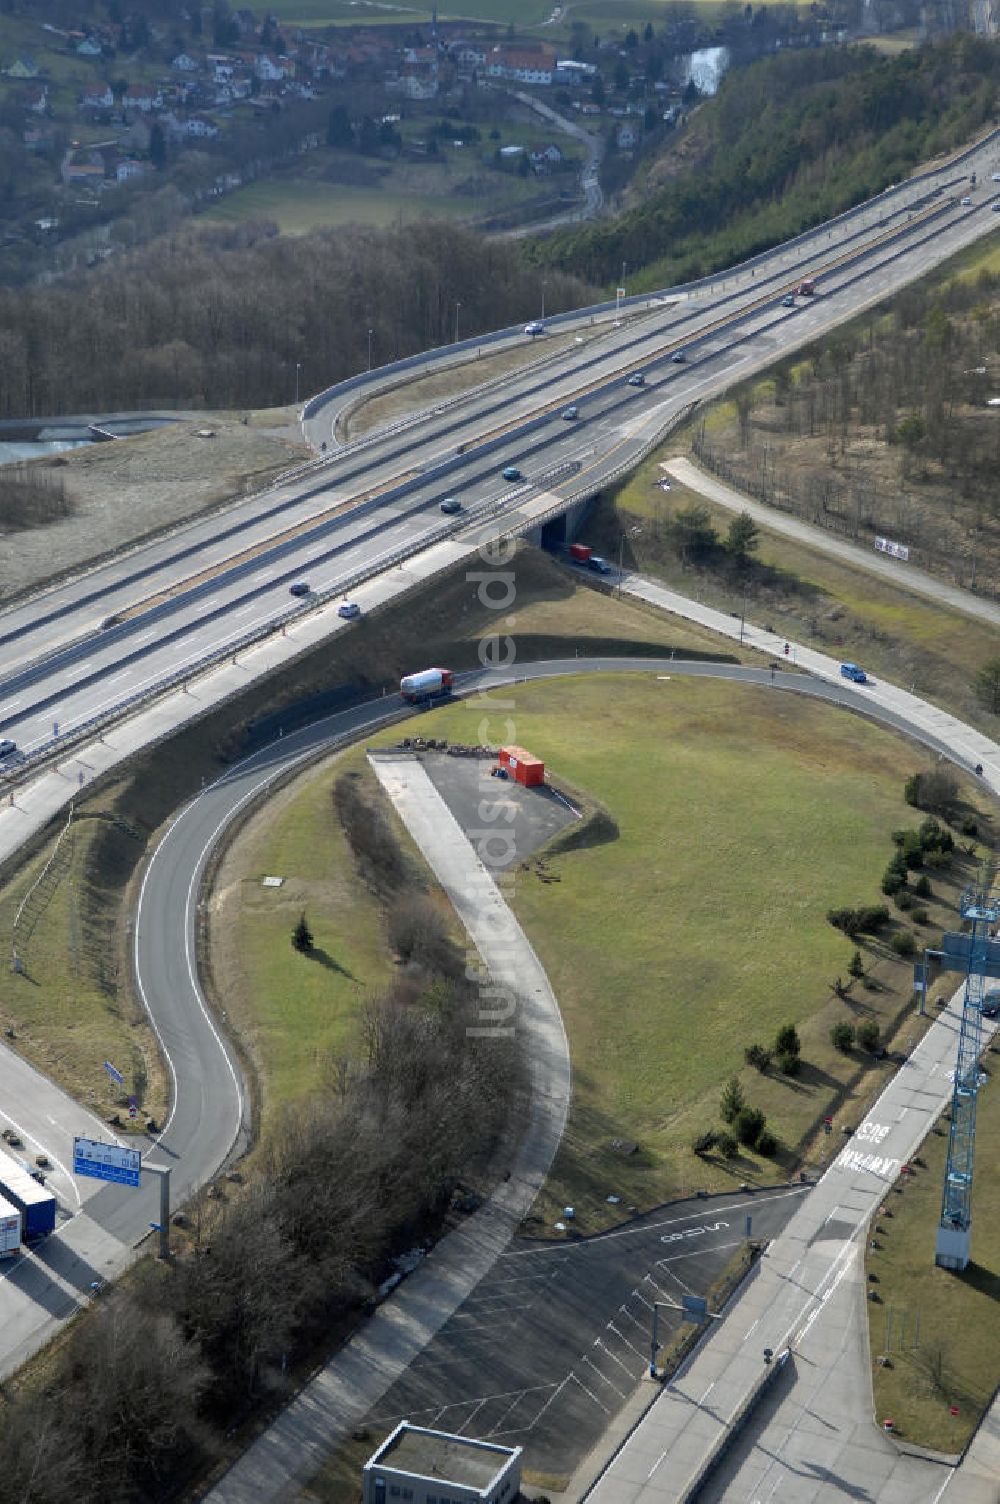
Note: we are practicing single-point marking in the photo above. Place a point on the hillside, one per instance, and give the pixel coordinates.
(786, 143)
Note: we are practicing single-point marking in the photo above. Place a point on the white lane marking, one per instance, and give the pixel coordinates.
(574, 1375)
(603, 1377)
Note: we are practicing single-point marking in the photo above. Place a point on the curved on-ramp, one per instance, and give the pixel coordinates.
(208, 1121)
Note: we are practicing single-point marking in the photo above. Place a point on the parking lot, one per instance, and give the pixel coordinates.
(504, 821)
(549, 1346)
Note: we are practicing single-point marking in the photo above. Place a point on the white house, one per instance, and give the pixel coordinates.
(627, 138)
(141, 97)
(270, 69)
(201, 126)
(545, 156)
(184, 63)
(89, 47)
(98, 97)
(522, 65)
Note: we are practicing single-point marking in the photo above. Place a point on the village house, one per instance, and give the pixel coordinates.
(36, 99)
(185, 63)
(23, 67)
(98, 97)
(142, 98)
(545, 157)
(535, 65)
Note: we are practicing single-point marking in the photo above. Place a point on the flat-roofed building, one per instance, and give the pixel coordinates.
(418, 1466)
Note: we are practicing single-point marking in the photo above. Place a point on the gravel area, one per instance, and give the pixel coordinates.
(124, 490)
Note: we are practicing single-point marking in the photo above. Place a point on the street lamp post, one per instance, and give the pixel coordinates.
(457, 310)
(743, 614)
(543, 300)
(369, 349)
(298, 368)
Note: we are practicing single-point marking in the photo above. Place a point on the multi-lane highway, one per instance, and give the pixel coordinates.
(99, 643)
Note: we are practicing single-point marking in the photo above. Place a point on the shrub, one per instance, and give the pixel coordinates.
(903, 900)
(922, 887)
(893, 882)
(920, 916)
(842, 1037)
(934, 837)
(766, 1143)
(903, 943)
(704, 1144)
(912, 850)
(935, 790)
(868, 1036)
(757, 1056)
(302, 937)
(787, 1041)
(726, 1145)
(970, 827)
(863, 921)
(749, 1125)
(732, 1101)
(856, 967)
(789, 1064)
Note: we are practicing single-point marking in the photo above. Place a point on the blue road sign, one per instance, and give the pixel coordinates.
(694, 1308)
(115, 1075)
(106, 1162)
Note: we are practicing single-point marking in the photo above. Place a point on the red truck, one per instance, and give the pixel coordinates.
(580, 552)
(806, 287)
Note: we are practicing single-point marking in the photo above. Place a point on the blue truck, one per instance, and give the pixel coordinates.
(36, 1205)
(851, 671)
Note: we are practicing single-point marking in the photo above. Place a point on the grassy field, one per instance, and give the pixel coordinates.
(743, 817)
(298, 207)
(951, 1357)
(70, 1007)
(296, 1015)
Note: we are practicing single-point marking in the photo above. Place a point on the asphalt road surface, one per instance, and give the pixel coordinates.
(204, 589)
(556, 1338)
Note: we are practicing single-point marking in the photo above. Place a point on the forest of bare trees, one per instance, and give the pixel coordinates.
(272, 1272)
(885, 429)
(221, 318)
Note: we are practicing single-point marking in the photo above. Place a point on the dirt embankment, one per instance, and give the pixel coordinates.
(121, 492)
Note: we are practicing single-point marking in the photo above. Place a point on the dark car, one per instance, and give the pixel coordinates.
(678, 357)
(8, 750)
(451, 505)
(511, 472)
(788, 301)
(991, 1003)
(637, 380)
(299, 588)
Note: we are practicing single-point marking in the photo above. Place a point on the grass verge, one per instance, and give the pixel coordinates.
(939, 1329)
(805, 594)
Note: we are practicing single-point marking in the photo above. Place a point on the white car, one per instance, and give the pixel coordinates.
(348, 610)
(534, 327)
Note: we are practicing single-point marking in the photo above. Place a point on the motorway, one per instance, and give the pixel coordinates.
(96, 645)
(206, 588)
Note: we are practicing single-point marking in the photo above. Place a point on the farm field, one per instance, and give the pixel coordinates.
(298, 207)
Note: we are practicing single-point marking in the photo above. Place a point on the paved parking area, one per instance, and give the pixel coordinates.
(504, 821)
(551, 1344)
